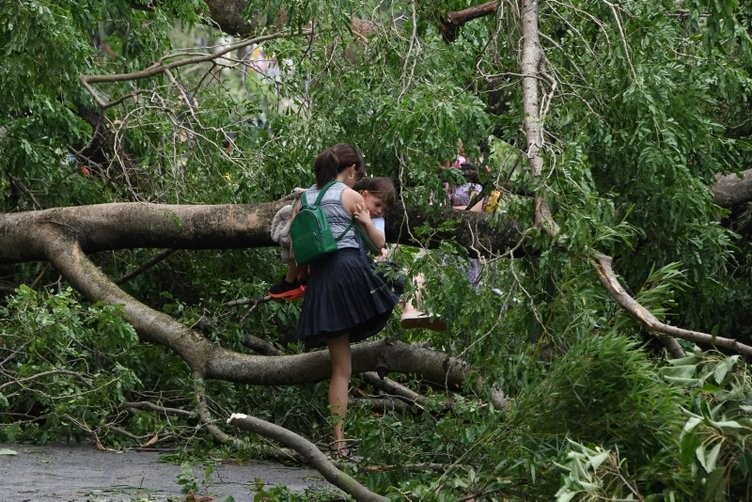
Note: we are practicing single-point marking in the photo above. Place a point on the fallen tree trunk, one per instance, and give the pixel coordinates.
(732, 189)
(105, 227)
(63, 236)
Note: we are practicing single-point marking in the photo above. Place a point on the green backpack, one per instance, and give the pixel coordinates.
(311, 237)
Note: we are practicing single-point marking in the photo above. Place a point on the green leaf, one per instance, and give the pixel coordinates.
(726, 424)
(680, 372)
(598, 459)
(724, 367)
(691, 424)
(711, 457)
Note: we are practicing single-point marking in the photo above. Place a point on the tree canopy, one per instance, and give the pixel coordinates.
(145, 147)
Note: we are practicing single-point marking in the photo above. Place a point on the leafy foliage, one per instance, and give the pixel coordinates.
(64, 363)
(715, 436)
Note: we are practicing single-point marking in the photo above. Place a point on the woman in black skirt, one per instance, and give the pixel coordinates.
(345, 301)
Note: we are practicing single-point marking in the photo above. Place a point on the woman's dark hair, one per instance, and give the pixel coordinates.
(380, 186)
(336, 159)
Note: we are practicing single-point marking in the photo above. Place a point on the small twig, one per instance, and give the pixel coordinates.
(17, 183)
(161, 66)
(125, 433)
(255, 304)
(248, 301)
(146, 405)
(379, 404)
(623, 37)
(413, 42)
(39, 276)
(145, 266)
(21, 381)
(419, 467)
(261, 346)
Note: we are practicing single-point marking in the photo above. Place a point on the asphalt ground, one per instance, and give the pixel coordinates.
(83, 473)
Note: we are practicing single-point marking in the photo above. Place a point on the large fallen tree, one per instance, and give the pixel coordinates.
(575, 207)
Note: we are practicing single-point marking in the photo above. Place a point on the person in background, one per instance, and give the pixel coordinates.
(462, 196)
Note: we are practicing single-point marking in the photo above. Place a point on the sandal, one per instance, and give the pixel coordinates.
(341, 454)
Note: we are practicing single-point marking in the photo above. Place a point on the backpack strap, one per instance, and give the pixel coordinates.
(369, 243)
(318, 201)
(345, 231)
(323, 191)
(304, 197)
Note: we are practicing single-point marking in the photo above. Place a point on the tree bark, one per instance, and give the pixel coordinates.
(63, 236)
(450, 24)
(309, 452)
(228, 16)
(732, 189)
(105, 227)
(532, 121)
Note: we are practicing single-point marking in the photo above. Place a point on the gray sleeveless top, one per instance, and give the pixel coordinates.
(339, 217)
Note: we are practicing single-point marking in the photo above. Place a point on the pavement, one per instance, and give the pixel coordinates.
(81, 473)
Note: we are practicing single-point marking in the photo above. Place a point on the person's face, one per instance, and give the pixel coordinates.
(375, 204)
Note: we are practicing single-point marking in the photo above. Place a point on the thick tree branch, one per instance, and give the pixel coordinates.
(57, 242)
(651, 323)
(136, 225)
(65, 254)
(309, 452)
(394, 388)
(450, 24)
(106, 227)
(398, 357)
(732, 189)
(370, 377)
(474, 231)
(532, 121)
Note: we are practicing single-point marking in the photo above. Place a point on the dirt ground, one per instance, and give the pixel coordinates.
(82, 473)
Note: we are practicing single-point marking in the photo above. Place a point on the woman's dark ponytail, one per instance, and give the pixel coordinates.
(326, 167)
(336, 159)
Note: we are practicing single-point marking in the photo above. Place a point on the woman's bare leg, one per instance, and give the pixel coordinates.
(340, 357)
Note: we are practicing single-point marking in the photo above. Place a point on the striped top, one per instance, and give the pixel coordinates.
(339, 218)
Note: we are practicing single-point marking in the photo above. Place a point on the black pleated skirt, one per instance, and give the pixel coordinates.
(344, 295)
